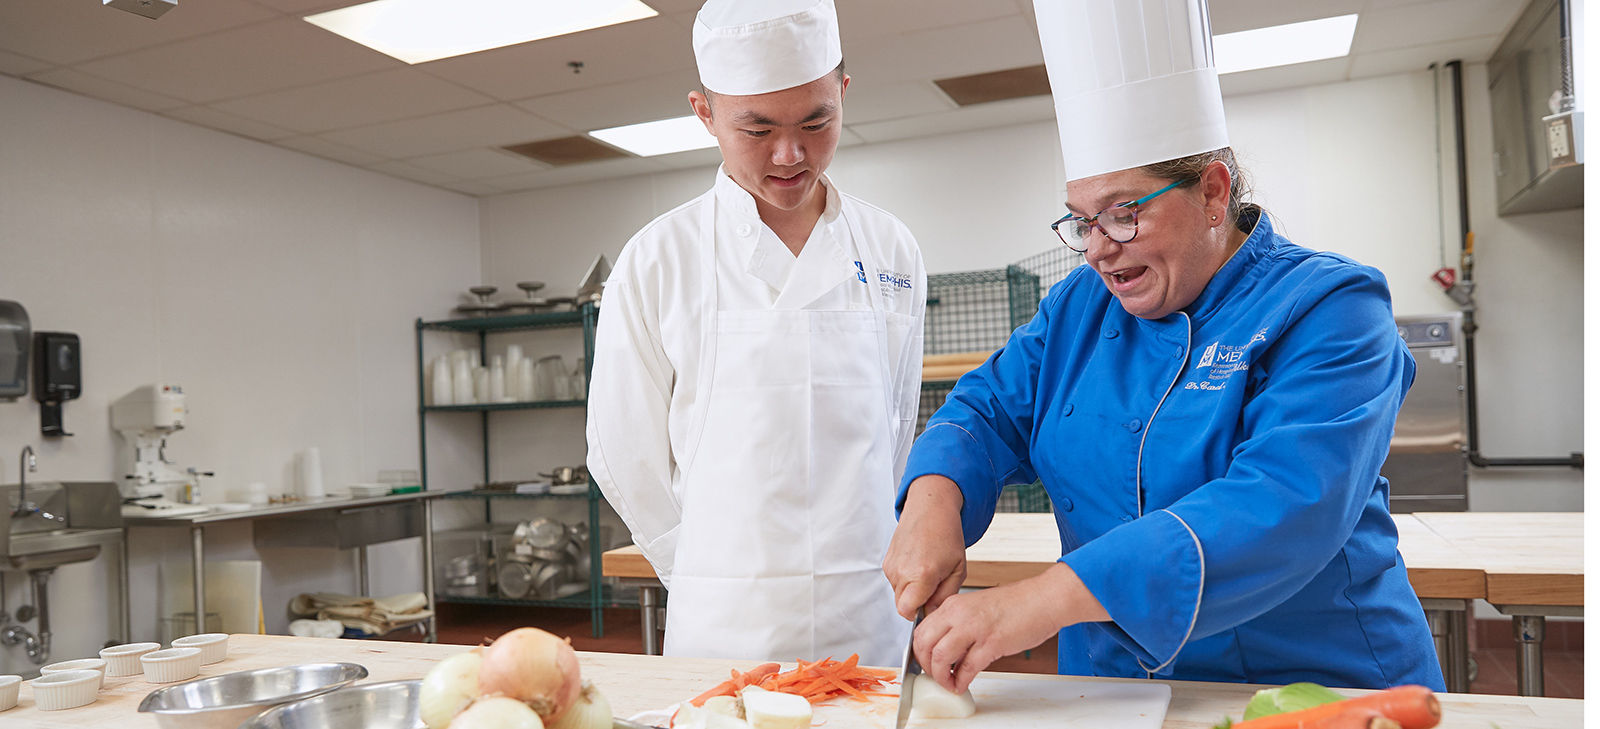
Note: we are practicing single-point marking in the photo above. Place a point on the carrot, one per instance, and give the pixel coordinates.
(815, 682)
(1358, 717)
(1412, 707)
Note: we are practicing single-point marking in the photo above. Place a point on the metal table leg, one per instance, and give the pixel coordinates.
(124, 603)
(1447, 620)
(197, 534)
(1528, 623)
(361, 572)
(427, 566)
(649, 604)
(1530, 654)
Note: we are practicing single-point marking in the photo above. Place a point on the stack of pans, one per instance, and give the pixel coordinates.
(541, 563)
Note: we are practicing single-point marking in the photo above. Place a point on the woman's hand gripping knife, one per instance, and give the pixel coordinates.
(963, 633)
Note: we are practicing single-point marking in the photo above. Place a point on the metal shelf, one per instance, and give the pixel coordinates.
(511, 495)
(490, 407)
(610, 597)
(510, 322)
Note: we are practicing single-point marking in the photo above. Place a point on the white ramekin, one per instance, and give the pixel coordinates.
(97, 665)
(172, 664)
(9, 686)
(66, 690)
(213, 646)
(123, 660)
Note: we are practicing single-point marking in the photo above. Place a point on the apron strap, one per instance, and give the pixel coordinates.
(708, 321)
(875, 297)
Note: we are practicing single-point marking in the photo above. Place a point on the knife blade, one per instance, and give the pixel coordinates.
(909, 670)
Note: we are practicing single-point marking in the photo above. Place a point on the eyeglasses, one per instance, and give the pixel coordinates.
(1120, 222)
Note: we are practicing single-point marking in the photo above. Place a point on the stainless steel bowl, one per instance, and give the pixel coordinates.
(387, 705)
(223, 701)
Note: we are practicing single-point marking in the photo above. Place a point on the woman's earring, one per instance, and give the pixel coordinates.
(1213, 217)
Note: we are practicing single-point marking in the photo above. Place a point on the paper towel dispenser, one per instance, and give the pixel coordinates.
(15, 336)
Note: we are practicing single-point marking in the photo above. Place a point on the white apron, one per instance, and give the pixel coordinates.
(788, 500)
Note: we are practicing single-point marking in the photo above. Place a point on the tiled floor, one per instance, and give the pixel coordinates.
(1494, 650)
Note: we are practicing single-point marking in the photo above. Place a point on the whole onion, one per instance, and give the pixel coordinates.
(497, 713)
(534, 667)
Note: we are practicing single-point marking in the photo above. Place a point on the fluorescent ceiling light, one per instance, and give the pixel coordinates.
(1281, 45)
(658, 137)
(415, 31)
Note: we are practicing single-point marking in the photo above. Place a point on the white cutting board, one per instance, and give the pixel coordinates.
(1022, 703)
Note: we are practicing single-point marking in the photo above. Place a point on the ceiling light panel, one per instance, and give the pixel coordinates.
(1282, 45)
(659, 137)
(416, 31)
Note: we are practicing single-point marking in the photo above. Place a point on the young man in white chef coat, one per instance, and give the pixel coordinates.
(758, 364)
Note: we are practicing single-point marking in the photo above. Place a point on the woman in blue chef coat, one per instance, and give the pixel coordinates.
(1207, 405)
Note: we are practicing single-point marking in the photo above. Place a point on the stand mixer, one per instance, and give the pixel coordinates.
(155, 487)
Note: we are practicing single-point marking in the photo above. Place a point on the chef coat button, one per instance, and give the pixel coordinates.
(1127, 518)
(1178, 353)
(744, 229)
(1134, 425)
(1111, 334)
(1066, 410)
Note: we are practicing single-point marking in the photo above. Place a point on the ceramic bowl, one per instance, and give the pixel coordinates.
(172, 664)
(123, 660)
(97, 665)
(213, 646)
(9, 687)
(66, 690)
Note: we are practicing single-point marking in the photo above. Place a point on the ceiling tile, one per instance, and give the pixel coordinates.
(357, 101)
(693, 158)
(859, 21)
(612, 54)
(264, 57)
(71, 31)
(1384, 29)
(1232, 16)
(13, 64)
(850, 139)
(208, 117)
(330, 150)
(301, 8)
(1283, 77)
(867, 101)
(573, 174)
(612, 105)
(989, 45)
(1417, 58)
(412, 172)
(99, 88)
(473, 188)
(475, 164)
(980, 116)
(486, 126)
(668, 7)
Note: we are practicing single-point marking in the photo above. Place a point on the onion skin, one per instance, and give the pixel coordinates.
(534, 667)
(497, 712)
(591, 711)
(449, 688)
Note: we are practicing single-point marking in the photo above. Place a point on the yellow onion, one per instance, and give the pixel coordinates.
(590, 711)
(534, 667)
(497, 712)
(449, 687)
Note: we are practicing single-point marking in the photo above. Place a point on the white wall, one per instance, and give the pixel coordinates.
(278, 289)
(1348, 167)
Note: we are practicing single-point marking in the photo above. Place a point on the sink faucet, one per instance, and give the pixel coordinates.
(26, 463)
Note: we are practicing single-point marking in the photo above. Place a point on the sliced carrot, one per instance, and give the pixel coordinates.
(1414, 707)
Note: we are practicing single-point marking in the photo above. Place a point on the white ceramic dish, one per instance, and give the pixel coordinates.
(213, 646)
(172, 664)
(66, 690)
(9, 687)
(123, 660)
(97, 665)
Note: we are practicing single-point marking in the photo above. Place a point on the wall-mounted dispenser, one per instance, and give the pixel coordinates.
(15, 335)
(58, 377)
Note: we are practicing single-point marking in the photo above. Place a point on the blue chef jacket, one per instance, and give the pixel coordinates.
(1214, 473)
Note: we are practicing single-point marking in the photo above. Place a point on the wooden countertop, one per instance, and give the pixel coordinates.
(636, 683)
(1528, 558)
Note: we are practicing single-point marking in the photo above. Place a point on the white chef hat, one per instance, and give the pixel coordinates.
(1134, 82)
(749, 47)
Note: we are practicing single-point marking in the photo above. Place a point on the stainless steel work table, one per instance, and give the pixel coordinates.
(334, 522)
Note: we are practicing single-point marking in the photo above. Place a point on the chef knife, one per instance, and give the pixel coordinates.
(909, 670)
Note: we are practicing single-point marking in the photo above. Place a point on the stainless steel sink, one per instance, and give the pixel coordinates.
(88, 516)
